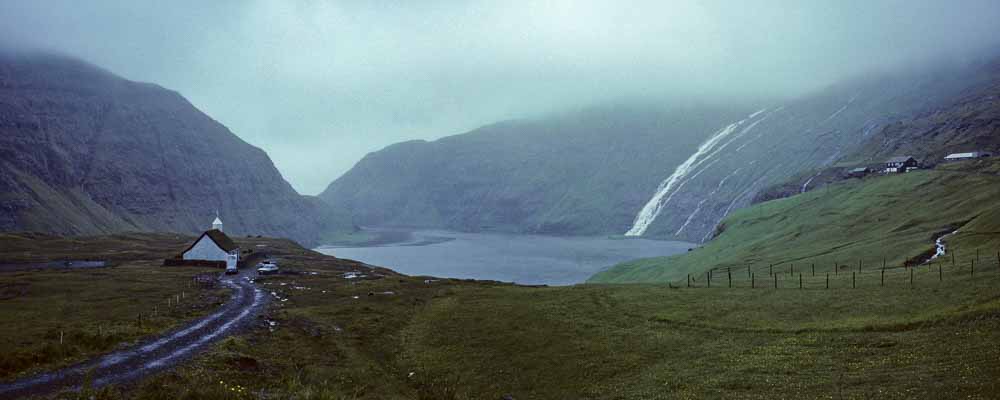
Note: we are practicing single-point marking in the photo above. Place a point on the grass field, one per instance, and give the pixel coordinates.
(456, 340)
(54, 318)
(892, 218)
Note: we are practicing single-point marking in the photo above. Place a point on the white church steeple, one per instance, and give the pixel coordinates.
(217, 224)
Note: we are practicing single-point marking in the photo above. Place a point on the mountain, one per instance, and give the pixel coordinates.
(573, 173)
(673, 170)
(83, 151)
(895, 217)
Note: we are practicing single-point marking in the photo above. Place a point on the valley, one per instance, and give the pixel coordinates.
(499, 200)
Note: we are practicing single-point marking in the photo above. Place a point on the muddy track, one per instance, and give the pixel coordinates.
(152, 355)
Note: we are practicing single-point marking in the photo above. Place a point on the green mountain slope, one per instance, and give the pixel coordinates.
(896, 218)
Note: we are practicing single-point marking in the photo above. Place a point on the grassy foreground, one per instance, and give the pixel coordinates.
(336, 329)
(891, 218)
(407, 338)
(52, 318)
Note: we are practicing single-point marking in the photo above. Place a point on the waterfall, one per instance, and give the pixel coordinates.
(669, 186)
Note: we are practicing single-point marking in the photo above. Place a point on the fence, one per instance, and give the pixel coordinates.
(840, 275)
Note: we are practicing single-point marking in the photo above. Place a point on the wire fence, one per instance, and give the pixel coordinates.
(841, 274)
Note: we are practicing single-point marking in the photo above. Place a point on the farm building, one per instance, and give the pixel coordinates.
(859, 172)
(966, 156)
(900, 164)
(213, 245)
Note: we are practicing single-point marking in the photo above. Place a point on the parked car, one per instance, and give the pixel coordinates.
(267, 267)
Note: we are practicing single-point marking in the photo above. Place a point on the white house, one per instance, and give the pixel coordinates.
(213, 245)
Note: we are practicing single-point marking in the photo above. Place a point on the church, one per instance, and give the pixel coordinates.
(213, 245)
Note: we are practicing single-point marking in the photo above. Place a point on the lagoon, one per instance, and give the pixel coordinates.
(523, 259)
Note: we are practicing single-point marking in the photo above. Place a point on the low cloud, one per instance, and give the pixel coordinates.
(320, 83)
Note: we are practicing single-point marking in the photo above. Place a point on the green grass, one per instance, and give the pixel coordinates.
(474, 340)
(94, 310)
(894, 218)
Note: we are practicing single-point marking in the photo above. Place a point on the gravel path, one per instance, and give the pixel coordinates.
(155, 354)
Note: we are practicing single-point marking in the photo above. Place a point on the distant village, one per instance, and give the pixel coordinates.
(908, 163)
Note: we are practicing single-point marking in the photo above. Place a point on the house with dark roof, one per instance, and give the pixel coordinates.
(900, 164)
(213, 245)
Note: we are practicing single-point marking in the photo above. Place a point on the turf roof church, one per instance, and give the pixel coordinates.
(213, 245)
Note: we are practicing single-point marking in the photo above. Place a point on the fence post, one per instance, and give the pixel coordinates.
(814, 269)
(836, 269)
(709, 278)
(854, 280)
(770, 269)
(730, 273)
(689, 280)
(972, 268)
(883, 277)
(775, 281)
(753, 284)
(827, 280)
(952, 257)
(859, 265)
(800, 281)
(911, 278)
(791, 269)
(749, 275)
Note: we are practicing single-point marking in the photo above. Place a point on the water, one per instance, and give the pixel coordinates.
(525, 259)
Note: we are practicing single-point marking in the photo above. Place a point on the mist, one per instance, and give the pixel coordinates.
(319, 84)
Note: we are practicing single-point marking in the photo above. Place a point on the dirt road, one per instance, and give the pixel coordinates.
(155, 354)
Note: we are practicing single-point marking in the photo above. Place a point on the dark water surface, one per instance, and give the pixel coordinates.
(525, 259)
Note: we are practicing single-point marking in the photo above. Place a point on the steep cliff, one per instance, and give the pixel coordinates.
(83, 151)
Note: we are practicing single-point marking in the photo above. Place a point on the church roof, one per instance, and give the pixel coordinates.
(221, 239)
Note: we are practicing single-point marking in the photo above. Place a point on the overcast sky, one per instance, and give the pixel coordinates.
(318, 84)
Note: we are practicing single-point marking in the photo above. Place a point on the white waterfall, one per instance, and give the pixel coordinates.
(702, 202)
(669, 186)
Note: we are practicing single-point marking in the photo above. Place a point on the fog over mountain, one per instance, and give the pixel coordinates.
(319, 84)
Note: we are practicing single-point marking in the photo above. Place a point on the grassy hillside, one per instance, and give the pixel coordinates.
(896, 218)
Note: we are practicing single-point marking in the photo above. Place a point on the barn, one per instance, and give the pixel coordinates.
(966, 156)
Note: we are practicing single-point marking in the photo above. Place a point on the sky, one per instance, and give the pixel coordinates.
(319, 84)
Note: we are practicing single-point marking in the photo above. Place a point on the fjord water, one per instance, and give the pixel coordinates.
(524, 259)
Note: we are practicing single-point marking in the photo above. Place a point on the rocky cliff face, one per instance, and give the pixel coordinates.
(83, 151)
(680, 168)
